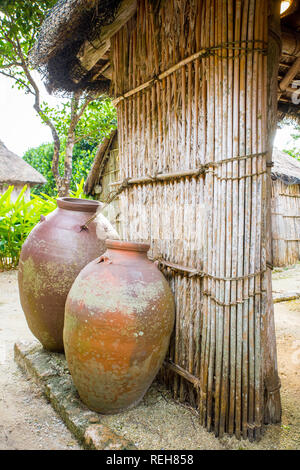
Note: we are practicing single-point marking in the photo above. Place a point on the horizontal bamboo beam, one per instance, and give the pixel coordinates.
(203, 53)
(194, 272)
(290, 75)
(288, 239)
(208, 167)
(161, 177)
(293, 90)
(183, 373)
(289, 195)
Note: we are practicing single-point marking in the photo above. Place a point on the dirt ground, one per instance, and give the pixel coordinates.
(27, 421)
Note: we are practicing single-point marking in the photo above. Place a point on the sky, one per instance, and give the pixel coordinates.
(21, 128)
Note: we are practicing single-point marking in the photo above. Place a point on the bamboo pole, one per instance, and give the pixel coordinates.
(248, 307)
(224, 406)
(236, 348)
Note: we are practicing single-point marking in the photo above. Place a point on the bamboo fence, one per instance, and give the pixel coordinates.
(285, 223)
(190, 81)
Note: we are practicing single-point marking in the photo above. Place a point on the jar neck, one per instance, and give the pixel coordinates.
(126, 255)
(127, 251)
(135, 247)
(78, 205)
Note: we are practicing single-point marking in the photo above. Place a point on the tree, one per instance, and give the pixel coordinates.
(75, 120)
(294, 151)
(41, 159)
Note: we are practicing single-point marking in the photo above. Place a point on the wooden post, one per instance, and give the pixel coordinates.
(272, 406)
(241, 393)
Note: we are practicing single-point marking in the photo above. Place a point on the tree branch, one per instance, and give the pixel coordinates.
(18, 80)
(8, 66)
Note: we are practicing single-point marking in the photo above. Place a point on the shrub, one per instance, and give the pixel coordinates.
(18, 218)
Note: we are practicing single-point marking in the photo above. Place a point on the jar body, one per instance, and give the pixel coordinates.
(118, 322)
(52, 256)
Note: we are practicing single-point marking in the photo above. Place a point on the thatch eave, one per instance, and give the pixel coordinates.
(286, 168)
(72, 50)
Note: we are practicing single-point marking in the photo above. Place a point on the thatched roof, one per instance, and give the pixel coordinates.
(73, 48)
(14, 169)
(286, 168)
(74, 43)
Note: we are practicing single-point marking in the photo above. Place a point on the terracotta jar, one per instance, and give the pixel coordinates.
(51, 258)
(118, 322)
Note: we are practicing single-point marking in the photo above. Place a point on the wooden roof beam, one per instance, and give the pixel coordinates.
(290, 43)
(90, 53)
(289, 76)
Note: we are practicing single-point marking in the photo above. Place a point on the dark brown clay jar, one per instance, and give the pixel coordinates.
(51, 258)
(118, 322)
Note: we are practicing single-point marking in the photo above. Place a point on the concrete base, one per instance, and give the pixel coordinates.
(51, 373)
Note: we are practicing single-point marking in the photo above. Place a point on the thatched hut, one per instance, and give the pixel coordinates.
(14, 171)
(285, 209)
(195, 83)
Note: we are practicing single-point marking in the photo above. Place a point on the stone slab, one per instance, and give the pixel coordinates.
(50, 372)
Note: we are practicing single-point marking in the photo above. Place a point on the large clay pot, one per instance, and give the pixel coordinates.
(118, 321)
(51, 258)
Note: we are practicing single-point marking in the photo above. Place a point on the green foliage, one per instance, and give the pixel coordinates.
(294, 151)
(40, 158)
(97, 122)
(18, 218)
(20, 22)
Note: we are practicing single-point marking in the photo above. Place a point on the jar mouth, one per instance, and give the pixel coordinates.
(127, 246)
(80, 205)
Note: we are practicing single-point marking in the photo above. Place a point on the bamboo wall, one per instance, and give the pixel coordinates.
(206, 112)
(285, 223)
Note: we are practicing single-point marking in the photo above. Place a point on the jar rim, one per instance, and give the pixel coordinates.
(127, 246)
(80, 205)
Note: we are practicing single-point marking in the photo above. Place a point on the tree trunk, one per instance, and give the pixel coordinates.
(66, 180)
